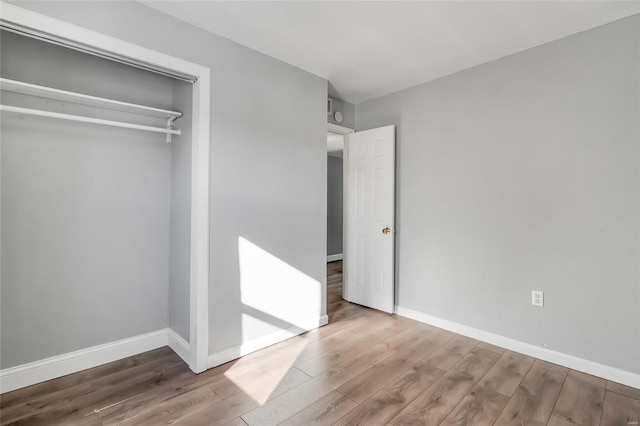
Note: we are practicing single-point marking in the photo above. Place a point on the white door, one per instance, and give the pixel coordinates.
(369, 161)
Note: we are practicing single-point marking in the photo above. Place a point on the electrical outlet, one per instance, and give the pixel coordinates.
(537, 298)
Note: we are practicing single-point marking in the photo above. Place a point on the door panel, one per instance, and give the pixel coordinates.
(369, 209)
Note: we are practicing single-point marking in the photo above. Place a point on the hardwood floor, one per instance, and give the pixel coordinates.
(364, 368)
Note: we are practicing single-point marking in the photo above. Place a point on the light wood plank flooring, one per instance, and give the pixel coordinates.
(364, 368)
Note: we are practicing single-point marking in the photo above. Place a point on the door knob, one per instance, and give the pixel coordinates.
(386, 230)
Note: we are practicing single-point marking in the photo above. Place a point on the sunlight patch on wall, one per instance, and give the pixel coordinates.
(271, 286)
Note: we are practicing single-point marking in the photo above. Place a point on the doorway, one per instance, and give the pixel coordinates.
(365, 219)
(335, 144)
(335, 210)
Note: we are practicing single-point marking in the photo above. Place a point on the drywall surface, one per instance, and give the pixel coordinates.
(334, 205)
(180, 247)
(268, 170)
(346, 109)
(85, 208)
(523, 174)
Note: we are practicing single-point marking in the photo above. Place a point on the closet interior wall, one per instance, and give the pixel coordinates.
(94, 219)
(180, 240)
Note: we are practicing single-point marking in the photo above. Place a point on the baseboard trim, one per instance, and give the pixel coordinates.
(178, 345)
(246, 348)
(57, 366)
(590, 367)
(334, 257)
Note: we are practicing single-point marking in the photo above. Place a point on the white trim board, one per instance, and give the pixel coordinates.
(590, 367)
(246, 348)
(38, 24)
(60, 365)
(334, 257)
(178, 345)
(65, 32)
(340, 130)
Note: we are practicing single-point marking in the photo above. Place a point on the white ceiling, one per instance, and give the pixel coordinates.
(369, 49)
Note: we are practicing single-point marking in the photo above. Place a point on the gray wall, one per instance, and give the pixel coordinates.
(268, 169)
(85, 209)
(334, 205)
(180, 248)
(347, 110)
(523, 174)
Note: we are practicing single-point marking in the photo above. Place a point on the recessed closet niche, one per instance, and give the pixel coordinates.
(95, 220)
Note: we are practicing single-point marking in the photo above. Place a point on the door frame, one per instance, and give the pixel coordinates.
(61, 32)
(341, 130)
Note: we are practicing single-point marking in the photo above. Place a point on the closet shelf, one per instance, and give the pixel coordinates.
(79, 98)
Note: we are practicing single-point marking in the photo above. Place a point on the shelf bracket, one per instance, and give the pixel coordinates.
(170, 121)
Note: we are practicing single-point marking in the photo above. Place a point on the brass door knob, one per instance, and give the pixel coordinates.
(386, 230)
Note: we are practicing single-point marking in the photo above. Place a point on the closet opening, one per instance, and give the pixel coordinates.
(104, 229)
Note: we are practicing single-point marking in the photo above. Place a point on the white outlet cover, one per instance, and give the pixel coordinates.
(537, 298)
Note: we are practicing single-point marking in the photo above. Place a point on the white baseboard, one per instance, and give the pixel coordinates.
(334, 257)
(590, 367)
(230, 354)
(57, 366)
(178, 345)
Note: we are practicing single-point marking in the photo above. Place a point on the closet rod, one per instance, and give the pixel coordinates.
(40, 113)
